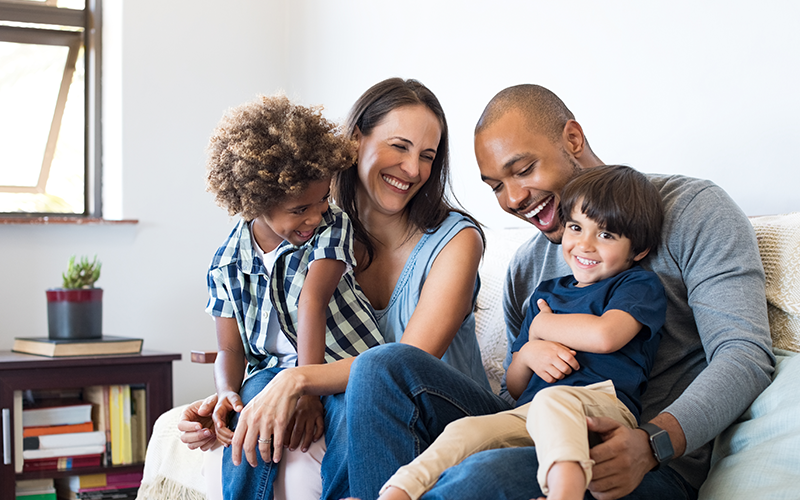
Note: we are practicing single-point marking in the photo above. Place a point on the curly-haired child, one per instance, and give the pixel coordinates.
(282, 289)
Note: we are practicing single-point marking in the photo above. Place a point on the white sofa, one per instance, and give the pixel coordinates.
(757, 457)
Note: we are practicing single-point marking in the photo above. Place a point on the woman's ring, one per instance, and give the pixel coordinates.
(267, 441)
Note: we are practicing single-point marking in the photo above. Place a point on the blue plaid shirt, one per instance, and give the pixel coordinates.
(238, 282)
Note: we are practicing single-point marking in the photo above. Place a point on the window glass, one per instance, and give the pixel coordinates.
(43, 124)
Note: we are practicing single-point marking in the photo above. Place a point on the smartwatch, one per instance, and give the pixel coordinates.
(660, 444)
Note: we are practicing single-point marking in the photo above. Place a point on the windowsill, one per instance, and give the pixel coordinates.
(83, 221)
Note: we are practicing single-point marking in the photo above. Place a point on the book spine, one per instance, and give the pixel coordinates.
(61, 463)
(58, 429)
(51, 441)
(138, 423)
(115, 411)
(127, 449)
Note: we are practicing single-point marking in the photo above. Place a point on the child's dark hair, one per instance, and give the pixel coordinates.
(620, 200)
(268, 150)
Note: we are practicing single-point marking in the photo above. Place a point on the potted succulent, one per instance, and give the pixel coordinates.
(75, 311)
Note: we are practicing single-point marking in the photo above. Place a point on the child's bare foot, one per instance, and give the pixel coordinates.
(566, 481)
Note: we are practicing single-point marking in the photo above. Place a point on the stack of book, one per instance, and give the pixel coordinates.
(111, 486)
(59, 436)
(35, 489)
(120, 412)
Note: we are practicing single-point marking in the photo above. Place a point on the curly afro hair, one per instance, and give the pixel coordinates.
(268, 150)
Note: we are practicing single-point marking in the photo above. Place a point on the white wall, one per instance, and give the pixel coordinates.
(707, 90)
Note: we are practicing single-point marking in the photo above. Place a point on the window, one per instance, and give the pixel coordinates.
(49, 94)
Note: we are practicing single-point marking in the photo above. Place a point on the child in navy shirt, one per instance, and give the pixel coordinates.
(586, 346)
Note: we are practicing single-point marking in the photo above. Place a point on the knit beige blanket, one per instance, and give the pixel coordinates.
(779, 244)
(172, 471)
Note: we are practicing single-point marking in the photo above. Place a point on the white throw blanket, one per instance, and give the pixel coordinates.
(173, 471)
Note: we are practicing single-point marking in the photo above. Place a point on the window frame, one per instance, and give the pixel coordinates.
(90, 19)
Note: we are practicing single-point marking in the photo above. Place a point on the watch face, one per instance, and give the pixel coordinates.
(662, 445)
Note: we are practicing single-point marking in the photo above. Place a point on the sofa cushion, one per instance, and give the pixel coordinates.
(779, 245)
(759, 455)
(490, 325)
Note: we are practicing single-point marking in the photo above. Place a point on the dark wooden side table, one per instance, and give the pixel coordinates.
(23, 371)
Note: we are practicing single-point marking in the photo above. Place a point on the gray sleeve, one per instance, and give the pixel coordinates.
(715, 247)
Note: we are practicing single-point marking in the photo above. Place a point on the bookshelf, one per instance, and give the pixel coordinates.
(24, 371)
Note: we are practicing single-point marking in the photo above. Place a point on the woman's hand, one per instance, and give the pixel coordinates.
(307, 425)
(227, 402)
(197, 426)
(264, 421)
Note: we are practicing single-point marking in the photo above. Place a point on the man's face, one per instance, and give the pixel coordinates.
(526, 171)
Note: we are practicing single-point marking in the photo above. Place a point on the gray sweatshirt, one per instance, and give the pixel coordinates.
(715, 354)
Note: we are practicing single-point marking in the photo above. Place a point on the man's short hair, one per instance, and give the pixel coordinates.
(620, 200)
(543, 110)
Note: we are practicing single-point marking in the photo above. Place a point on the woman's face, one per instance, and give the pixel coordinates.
(395, 159)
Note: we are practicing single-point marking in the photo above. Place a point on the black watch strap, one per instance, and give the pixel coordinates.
(660, 444)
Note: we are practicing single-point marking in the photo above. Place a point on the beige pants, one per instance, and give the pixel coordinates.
(555, 421)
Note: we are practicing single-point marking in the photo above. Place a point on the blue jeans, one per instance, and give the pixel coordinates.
(244, 481)
(510, 473)
(398, 399)
(256, 483)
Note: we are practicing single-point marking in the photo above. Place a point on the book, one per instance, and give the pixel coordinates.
(115, 423)
(47, 430)
(98, 482)
(119, 401)
(98, 396)
(27, 485)
(138, 423)
(67, 451)
(18, 432)
(35, 489)
(64, 440)
(61, 463)
(114, 494)
(37, 496)
(107, 344)
(66, 414)
(76, 483)
(127, 447)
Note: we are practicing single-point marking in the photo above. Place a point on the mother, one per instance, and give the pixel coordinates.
(418, 259)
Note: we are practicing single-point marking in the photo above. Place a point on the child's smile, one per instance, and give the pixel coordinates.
(294, 220)
(592, 252)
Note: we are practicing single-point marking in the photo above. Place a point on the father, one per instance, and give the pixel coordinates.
(714, 358)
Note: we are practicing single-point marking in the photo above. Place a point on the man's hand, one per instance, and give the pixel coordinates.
(621, 460)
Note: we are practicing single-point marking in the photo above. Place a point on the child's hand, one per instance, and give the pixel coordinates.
(551, 361)
(534, 332)
(307, 424)
(196, 425)
(226, 403)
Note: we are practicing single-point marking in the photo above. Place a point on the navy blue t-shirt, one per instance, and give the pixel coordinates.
(635, 291)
